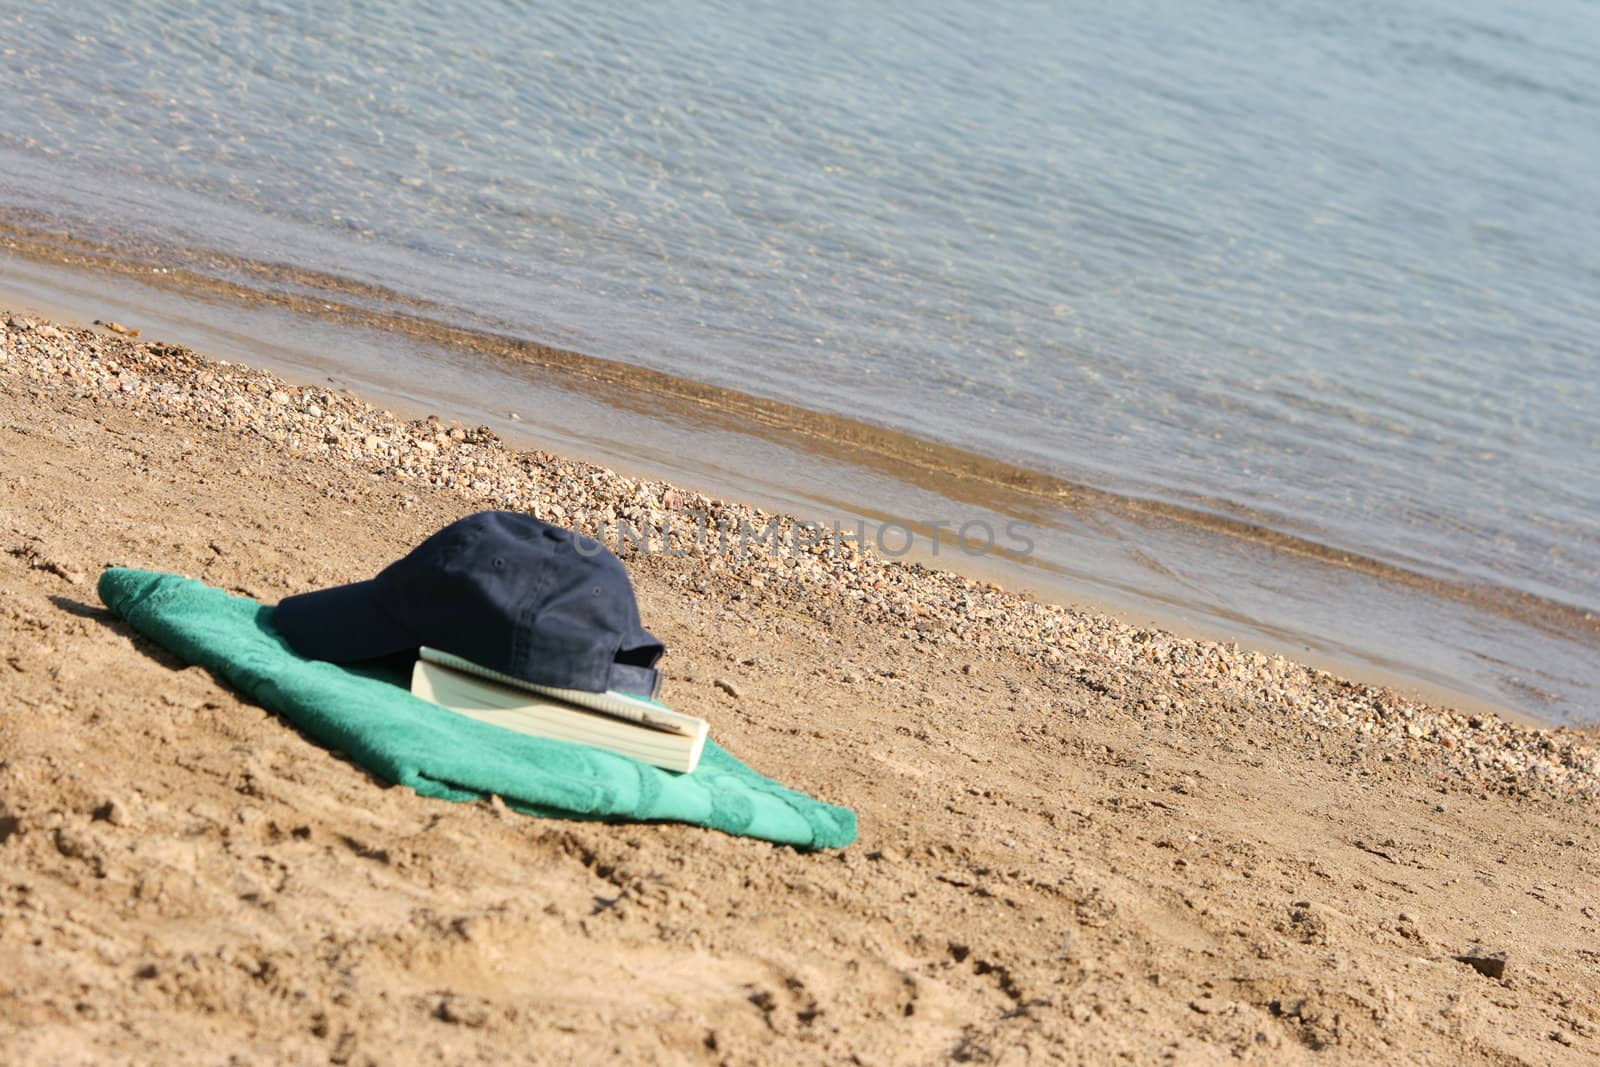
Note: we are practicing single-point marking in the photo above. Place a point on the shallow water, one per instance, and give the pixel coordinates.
(1332, 270)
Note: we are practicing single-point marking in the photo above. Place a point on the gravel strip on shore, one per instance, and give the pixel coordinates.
(817, 574)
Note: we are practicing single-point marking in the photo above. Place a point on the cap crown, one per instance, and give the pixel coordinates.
(503, 590)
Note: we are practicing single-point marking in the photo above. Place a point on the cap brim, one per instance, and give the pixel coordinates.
(343, 624)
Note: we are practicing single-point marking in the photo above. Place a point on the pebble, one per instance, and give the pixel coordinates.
(1489, 964)
(942, 612)
(115, 812)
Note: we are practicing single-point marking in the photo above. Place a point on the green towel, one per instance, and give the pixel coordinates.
(402, 739)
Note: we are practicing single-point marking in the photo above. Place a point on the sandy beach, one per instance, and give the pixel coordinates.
(1081, 841)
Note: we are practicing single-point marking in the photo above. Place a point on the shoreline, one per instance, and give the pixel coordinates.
(1115, 572)
(1078, 837)
(953, 472)
(173, 382)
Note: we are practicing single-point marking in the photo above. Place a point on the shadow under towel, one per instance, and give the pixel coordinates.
(376, 721)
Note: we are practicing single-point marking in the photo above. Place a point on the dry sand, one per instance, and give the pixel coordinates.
(1080, 841)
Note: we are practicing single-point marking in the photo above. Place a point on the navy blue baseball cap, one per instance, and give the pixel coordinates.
(501, 589)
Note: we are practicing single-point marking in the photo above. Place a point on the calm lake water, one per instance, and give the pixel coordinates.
(1333, 267)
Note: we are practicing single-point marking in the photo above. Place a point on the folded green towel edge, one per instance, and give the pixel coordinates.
(407, 741)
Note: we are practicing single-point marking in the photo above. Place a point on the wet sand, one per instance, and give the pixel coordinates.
(1081, 840)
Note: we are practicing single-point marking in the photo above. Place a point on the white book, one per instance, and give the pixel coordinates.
(527, 711)
(641, 709)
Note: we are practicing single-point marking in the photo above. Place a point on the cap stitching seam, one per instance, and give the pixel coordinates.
(523, 636)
